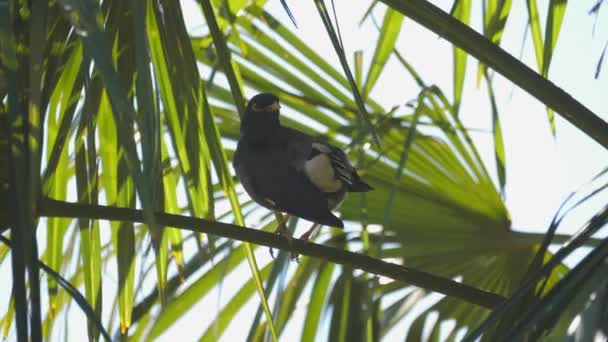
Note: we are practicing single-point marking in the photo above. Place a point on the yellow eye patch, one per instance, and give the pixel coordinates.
(275, 106)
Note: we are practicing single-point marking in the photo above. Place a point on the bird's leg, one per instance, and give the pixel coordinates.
(282, 230)
(282, 220)
(309, 232)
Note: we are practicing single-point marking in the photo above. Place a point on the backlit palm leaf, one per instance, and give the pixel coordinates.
(138, 113)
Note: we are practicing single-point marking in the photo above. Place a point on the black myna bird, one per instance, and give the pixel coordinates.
(289, 171)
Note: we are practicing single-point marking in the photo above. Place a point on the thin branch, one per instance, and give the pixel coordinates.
(53, 208)
(558, 239)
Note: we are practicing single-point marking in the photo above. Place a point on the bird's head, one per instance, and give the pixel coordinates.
(264, 103)
(261, 119)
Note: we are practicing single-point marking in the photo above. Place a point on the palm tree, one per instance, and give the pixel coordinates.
(117, 127)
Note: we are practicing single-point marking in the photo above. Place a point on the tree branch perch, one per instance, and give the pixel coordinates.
(53, 208)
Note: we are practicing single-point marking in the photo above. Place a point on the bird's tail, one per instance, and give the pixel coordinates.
(359, 185)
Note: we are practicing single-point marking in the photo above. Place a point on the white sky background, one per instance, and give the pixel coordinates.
(541, 171)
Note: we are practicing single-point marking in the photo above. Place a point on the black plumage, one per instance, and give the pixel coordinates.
(286, 170)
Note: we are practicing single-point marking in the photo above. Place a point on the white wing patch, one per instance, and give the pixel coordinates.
(321, 147)
(320, 171)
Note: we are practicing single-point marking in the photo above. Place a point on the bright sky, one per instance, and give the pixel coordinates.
(541, 171)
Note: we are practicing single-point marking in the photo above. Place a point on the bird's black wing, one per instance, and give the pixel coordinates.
(343, 169)
(342, 166)
(297, 145)
(271, 180)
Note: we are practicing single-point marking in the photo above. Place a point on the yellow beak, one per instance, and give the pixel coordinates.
(274, 107)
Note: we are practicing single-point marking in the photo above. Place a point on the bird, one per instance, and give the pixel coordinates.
(286, 170)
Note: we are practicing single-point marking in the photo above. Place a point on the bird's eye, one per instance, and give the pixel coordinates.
(257, 108)
(269, 108)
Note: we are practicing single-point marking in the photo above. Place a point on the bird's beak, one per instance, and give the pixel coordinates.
(275, 106)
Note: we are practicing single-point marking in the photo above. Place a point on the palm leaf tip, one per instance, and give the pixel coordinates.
(286, 7)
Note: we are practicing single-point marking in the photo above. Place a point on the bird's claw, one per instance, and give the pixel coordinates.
(289, 238)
